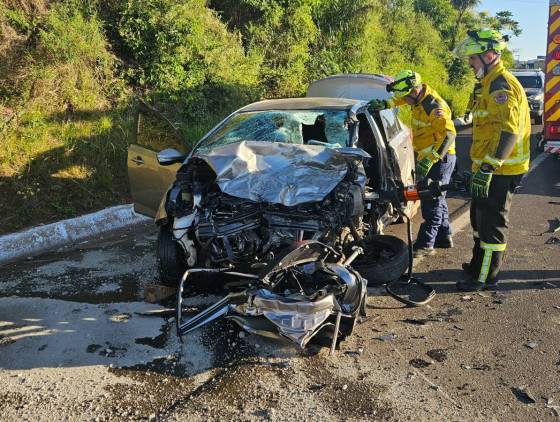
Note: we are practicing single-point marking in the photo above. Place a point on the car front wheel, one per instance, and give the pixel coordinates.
(385, 259)
(170, 258)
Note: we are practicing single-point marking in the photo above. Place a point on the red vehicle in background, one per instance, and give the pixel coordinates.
(552, 82)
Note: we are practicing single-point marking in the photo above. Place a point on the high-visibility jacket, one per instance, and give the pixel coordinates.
(431, 120)
(501, 106)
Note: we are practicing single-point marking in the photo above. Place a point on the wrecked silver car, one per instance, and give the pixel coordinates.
(278, 179)
(274, 173)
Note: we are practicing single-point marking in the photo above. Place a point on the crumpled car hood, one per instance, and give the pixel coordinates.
(280, 173)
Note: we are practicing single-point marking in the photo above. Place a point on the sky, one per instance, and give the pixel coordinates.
(532, 16)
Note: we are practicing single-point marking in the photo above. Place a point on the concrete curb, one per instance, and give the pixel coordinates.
(62, 233)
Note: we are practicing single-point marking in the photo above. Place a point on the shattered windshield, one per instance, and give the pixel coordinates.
(309, 127)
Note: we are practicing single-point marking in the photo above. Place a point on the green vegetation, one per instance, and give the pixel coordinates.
(70, 70)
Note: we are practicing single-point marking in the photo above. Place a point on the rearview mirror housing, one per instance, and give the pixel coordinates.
(170, 156)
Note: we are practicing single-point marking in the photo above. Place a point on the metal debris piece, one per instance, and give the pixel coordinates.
(419, 363)
(315, 387)
(387, 337)
(555, 409)
(531, 344)
(477, 367)
(553, 240)
(416, 321)
(554, 226)
(557, 228)
(523, 394)
(439, 355)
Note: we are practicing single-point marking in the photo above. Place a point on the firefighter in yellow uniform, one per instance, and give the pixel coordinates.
(434, 144)
(499, 153)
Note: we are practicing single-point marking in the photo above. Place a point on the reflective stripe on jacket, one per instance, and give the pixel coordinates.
(501, 106)
(431, 120)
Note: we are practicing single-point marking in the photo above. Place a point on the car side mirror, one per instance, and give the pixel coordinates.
(170, 156)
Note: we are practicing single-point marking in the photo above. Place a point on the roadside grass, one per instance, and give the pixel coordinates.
(60, 165)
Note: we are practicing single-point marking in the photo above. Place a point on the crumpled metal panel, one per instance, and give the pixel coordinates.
(279, 173)
(299, 320)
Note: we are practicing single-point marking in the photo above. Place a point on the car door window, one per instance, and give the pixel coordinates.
(390, 123)
(156, 134)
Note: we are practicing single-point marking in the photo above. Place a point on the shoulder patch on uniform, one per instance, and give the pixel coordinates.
(439, 113)
(501, 98)
(430, 104)
(499, 84)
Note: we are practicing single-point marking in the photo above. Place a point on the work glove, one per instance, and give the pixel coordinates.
(480, 184)
(424, 165)
(376, 105)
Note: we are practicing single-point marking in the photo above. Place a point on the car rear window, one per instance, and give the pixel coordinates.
(529, 81)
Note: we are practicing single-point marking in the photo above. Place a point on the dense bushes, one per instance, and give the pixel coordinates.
(69, 71)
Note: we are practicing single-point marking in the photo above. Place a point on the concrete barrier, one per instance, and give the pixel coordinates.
(40, 239)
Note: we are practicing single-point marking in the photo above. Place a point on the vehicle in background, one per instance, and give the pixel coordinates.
(551, 137)
(532, 82)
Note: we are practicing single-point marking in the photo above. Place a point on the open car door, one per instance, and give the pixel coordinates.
(149, 180)
(365, 87)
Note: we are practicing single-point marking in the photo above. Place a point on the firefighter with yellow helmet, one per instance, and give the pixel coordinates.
(499, 153)
(434, 144)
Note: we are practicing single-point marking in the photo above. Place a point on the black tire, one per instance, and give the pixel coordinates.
(385, 260)
(170, 258)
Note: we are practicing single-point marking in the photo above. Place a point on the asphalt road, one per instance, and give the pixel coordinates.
(74, 346)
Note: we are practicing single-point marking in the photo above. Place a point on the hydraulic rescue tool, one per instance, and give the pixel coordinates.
(425, 190)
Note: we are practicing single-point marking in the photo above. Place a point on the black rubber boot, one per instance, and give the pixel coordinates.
(446, 243)
(470, 285)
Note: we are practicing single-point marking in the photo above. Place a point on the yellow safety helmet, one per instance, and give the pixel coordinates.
(479, 42)
(405, 81)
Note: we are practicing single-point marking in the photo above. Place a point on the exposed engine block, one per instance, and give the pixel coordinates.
(238, 230)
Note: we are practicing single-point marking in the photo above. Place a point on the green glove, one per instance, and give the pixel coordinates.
(480, 184)
(376, 105)
(423, 167)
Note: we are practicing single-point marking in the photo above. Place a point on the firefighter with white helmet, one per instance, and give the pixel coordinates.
(499, 153)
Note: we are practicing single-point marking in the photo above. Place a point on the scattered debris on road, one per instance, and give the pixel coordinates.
(531, 344)
(523, 394)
